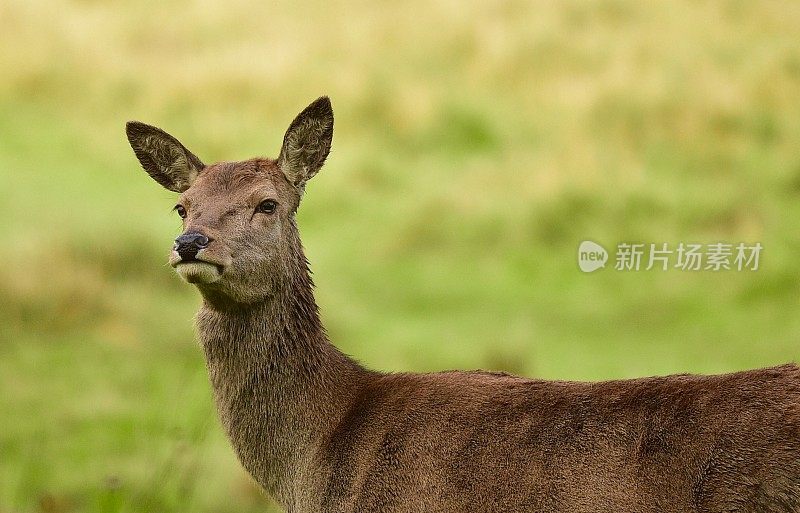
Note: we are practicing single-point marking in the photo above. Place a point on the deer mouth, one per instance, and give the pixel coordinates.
(199, 271)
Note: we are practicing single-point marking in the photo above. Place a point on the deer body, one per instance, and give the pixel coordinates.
(322, 434)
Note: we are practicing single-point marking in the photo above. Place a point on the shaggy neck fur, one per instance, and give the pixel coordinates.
(280, 386)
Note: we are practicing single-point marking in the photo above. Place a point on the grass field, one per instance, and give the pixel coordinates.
(477, 144)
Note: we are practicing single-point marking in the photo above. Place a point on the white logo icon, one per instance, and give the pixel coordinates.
(591, 256)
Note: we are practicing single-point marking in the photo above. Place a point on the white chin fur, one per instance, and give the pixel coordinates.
(198, 272)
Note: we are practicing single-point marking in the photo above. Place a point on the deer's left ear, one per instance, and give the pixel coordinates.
(307, 142)
(163, 157)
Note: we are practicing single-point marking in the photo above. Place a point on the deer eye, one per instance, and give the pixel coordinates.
(180, 210)
(267, 206)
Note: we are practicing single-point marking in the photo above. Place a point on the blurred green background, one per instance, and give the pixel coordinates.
(476, 145)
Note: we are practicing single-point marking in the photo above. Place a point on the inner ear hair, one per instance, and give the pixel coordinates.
(307, 142)
(164, 158)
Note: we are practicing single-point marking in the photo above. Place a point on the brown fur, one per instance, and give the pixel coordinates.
(322, 434)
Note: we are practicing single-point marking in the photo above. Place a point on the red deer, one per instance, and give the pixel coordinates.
(320, 433)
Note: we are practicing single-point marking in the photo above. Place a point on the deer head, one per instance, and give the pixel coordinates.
(239, 240)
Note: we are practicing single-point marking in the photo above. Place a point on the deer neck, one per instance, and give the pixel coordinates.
(279, 385)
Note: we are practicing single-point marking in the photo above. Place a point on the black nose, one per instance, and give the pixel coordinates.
(188, 244)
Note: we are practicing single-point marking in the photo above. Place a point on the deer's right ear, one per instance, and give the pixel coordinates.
(163, 157)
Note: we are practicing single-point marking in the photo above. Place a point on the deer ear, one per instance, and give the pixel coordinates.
(307, 142)
(163, 157)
